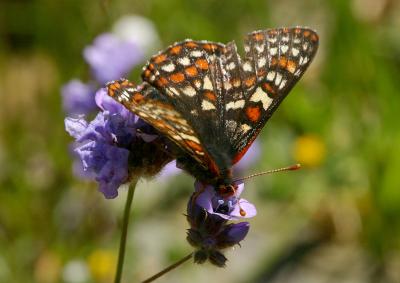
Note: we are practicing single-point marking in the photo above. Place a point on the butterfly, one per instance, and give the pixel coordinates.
(210, 102)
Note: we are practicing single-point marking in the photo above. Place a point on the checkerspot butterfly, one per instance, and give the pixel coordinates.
(212, 103)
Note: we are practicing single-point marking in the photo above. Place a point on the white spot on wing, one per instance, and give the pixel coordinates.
(260, 96)
(197, 84)
(245, 128)
(261, 62)
(271, 75)
(173, 91)
(190, 137)
(247, 67)
(185, 61)
(207, 83)
(227, 85)
(168, 67)
(303, 60)
(196, 53)
(206, 105)
(278, 79)
(284, 48)
(235, 104)
(260, 48)
(189, 91)
(231, 66)
(295, 52)
(283, 83)
(273, 51)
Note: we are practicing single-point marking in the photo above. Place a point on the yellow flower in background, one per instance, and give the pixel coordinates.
(102, 264)
(309, 150)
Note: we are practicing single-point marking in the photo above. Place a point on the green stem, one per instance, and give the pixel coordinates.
(169, 268)
(124, 233)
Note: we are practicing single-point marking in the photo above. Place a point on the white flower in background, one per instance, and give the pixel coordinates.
(76, 271)
(138, 30)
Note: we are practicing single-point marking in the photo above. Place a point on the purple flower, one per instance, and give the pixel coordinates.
(209, 233)
(230, 208)
(101, 157)
(78, 97)
(111, 58)
(116, 145)
(232, 234)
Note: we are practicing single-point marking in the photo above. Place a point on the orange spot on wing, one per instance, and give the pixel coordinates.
(258, 36)
(202, 64)
(297, 30)
(307, 33)
(273, 32)
(137, 97)
(177, 77)
(147, 73)
(194, 145)
(176, 49)
(253, 113)
(151, 67)
(160, 58)
(210, 47)
(210, 95)
(125, 83)
(274, 61)
(314, 37)
(162, 81)
(267, 87)
(191, 71)
(191, 44)
(291, 66)
(250, 81)
(283, 62)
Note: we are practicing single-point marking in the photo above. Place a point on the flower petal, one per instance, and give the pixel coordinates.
(75, 126)
(204, 199)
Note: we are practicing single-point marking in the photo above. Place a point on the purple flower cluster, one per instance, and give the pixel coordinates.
(208, 214)
(105, 145)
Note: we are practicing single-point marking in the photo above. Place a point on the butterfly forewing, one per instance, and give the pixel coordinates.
(274, 61)
(147, 102)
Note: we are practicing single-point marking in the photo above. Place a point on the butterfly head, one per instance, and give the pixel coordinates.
(227, 190)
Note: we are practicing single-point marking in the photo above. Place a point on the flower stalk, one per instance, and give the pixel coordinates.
(168, 269)
(124, 233)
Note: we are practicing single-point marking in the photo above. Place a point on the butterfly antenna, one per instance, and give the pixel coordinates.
(288, 168)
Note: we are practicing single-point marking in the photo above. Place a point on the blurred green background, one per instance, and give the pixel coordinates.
(337, 220)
